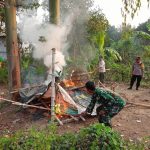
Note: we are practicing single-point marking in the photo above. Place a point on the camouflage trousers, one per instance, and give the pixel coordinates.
(105, 114)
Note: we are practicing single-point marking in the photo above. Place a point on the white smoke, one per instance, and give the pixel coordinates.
(53, 36)
(44, 37)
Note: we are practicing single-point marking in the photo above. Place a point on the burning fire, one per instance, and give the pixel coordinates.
(61, 106)
(68, 83)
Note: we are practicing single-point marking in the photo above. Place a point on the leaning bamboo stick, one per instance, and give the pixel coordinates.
(138, 104)
(110, 90)
(74, 118)
(59, 121)
(67, 120)
(24, 105)
(74, 88)
(31, 99)
(82, 118)
(16, 90)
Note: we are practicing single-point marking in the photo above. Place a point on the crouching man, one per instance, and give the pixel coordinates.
(108, 104)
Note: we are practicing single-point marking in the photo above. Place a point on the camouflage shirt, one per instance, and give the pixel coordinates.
(106, 99)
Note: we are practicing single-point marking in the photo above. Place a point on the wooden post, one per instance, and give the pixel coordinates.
(53, 87)
(12, 46)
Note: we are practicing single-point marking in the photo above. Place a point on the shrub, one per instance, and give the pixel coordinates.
(95, 137)
(3, 75)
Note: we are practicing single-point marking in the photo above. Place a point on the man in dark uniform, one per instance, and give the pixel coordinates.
(109, 104)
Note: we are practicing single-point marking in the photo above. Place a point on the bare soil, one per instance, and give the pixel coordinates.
(133, 122)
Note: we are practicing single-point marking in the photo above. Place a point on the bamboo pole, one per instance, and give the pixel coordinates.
(17, 90)
(24, 105)
(136, 104)
(110, 90)
(59, 121)
(53, 87)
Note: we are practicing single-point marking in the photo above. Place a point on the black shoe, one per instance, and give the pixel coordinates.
(137, 89)
(130, 88)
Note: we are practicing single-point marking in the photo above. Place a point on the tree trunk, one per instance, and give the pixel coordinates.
(12, 45)
(54, 9)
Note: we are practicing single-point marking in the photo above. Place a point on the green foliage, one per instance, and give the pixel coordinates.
(97, 22)
(98, 137)
(25, 62)
(3, 75)
(26, 4)
(130, 8)
(96, 28)
(112, 54)
(143, 34)
(113, 33)
(95, 137)
(92, 66)
(118, 72)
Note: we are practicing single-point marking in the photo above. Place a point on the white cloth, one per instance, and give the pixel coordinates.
(102, 66)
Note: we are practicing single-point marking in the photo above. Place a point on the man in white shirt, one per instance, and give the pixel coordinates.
(102, 69)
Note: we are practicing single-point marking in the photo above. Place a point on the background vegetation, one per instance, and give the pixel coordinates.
(91, 36)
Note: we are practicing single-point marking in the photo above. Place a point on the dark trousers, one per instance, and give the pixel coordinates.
(101, 77)
(107, 114)
(136, 78)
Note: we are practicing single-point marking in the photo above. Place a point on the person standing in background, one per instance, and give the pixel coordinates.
(137, 73)
(102, 69)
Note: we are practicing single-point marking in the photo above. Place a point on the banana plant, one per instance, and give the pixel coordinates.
(96, 28)
(143, 35)
(112, 54)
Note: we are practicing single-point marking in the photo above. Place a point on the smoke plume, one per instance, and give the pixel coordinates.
(44, 37)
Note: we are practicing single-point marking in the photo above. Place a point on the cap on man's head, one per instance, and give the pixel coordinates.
(90, 85)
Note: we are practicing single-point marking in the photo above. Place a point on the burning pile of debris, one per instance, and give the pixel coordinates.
(70, 97)
(61, 99)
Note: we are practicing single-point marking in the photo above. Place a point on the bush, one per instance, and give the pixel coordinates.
(95, 137)
(3, 75)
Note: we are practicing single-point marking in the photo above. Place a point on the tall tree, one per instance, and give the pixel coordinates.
(97, 26)
(54, 7)
(131, 7)
(12, 45)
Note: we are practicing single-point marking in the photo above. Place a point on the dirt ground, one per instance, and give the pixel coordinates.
(133, 122)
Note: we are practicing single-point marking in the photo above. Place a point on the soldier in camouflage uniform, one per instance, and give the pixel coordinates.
(109, 104)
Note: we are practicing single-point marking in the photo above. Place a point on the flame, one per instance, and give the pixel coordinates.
(68, 83)
(61, 106)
